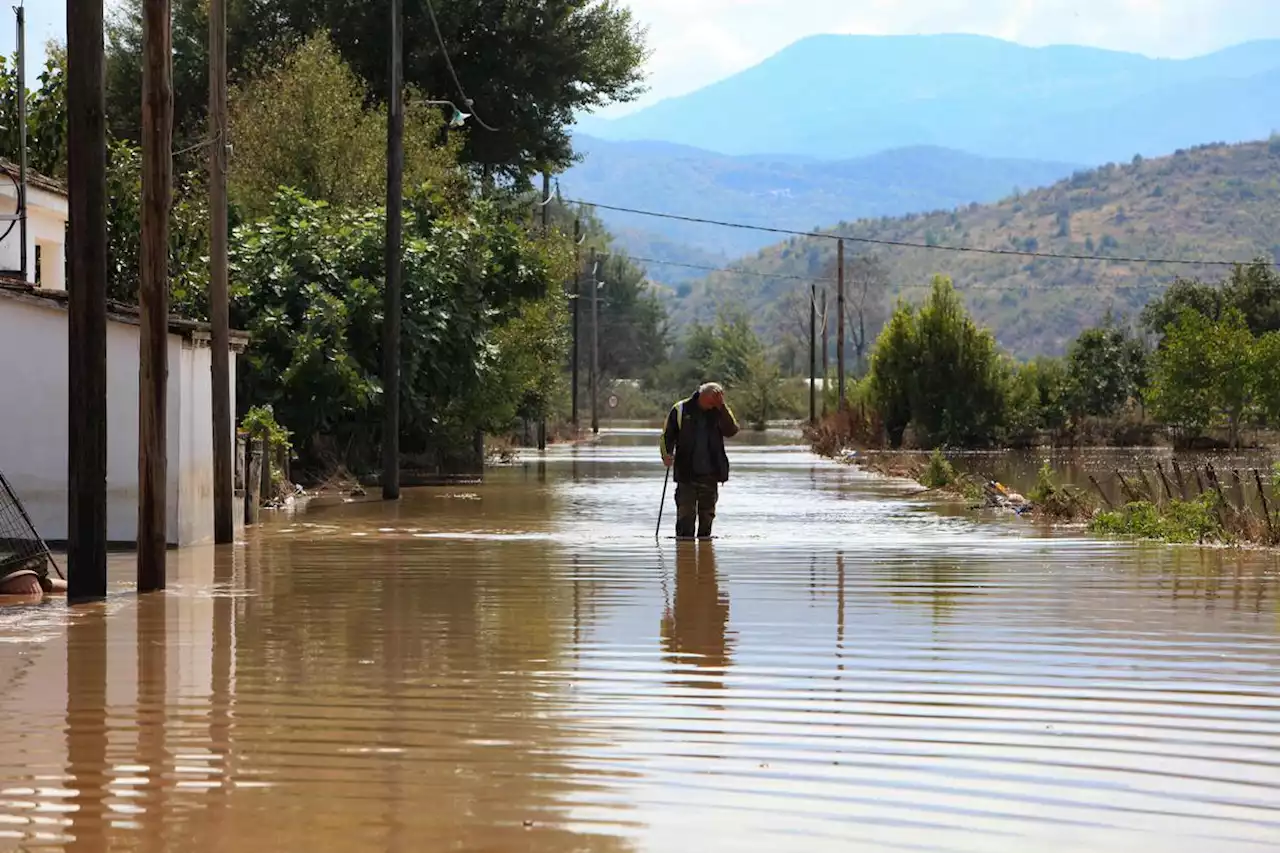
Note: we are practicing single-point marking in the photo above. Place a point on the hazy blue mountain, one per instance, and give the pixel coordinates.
(776, 190)
(847, 96)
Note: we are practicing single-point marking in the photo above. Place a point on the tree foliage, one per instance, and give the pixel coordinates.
(1204, 371)
(305, 125)
(46, 114)
(307, 286)
(1106, 368)
(1252, 289)
(530, 67)
(934, 365)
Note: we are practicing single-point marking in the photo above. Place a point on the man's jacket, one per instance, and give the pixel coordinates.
(681, 431)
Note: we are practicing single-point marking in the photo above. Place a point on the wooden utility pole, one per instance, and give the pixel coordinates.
(87, 305)
(391, 295)
(840, 325)
(153, 293)
(546, 227)
(813, 354)
(595, 344)
(577, 301)
(826, 332)
(219, 309)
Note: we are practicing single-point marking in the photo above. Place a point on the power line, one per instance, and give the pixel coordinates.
(444, 51)
(903, 244)
(812, 280)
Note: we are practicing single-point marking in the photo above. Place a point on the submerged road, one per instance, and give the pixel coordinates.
(519, 666)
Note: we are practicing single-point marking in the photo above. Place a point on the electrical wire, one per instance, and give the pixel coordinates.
(903, 244)
(831, 280)
(444, 51)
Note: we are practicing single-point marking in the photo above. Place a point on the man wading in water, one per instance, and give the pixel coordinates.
(693, 442)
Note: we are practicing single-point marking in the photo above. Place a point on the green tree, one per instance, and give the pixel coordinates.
(1106, 367)
(1266, 361)
(1023, 417)
(958, 390)
(530, 67)
(1252, 289)
(893, 364)
(306, 125)
(46, 114)
(1204, 373)
(307, 286)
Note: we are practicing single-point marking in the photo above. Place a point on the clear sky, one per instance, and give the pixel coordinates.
(696, 42)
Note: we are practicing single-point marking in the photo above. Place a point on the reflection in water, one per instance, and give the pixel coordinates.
(480, 668)
(694, 629)
(85, 728)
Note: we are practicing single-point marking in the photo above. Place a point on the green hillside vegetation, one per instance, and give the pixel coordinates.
(776, 190)
(1212, 202)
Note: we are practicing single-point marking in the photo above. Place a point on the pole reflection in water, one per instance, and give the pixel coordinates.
(85, 727)
(154, 764)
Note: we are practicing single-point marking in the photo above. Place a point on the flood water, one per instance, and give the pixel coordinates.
(518, 666)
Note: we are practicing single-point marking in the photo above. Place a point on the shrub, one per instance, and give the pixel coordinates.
(939, 474)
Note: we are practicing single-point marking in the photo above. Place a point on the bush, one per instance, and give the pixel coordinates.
(939, 474)
(1180, 521)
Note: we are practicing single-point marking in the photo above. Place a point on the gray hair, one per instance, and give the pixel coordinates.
(711, 388)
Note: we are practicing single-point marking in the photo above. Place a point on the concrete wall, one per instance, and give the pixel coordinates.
(46, 228)
(33, 425)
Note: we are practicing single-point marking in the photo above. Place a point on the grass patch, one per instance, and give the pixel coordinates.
(1178, 522)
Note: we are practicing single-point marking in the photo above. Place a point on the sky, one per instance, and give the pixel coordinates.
(696, 42)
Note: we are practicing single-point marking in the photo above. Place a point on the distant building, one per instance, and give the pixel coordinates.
(34, 402)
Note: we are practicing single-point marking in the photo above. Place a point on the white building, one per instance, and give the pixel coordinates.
(34, 355)
(46, 228)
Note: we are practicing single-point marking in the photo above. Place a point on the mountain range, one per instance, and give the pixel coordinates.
(839, 97)
(785, 191)
(1213, 202)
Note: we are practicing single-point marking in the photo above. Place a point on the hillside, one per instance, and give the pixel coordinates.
(1215, 201)
(786, 191)
(847, 96)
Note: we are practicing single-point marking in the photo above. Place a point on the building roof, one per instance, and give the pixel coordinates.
(34, 179)
(119, 312)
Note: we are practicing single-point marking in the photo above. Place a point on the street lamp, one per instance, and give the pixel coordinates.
(459, 118)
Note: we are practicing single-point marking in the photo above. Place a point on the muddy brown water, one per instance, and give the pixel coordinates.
(518, 666)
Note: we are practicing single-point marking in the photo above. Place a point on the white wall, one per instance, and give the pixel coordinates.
(33, 425)
(46, 226)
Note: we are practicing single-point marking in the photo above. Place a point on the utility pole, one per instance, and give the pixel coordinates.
(24, 261)
(826, 329)
(546, 201)
(391, 295)
(840, 325)
(546, 210)
(153, 293)
(595, 345)
(87, 305)
(577, 300)
(219, 308)
(813, 355)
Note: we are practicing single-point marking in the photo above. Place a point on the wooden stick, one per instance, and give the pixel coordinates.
(1106, 500)
(1237, 487)
(1132, 494)
(1182, 484)
(1266, 508)
(1168, 487)
(1152, 492)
